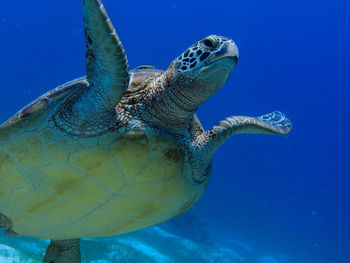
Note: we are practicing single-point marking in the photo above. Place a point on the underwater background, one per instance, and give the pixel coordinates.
(270, 199)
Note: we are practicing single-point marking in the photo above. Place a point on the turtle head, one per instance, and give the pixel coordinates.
(192, 79)
(204, 67)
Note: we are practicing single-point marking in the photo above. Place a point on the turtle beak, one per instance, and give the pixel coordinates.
(232, 50)
(228, 50)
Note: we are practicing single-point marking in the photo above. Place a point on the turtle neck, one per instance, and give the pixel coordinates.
(169, 103)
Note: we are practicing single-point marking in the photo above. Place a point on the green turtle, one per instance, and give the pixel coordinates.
(118, 150)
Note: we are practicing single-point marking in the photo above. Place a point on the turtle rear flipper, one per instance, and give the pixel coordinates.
(63, 251)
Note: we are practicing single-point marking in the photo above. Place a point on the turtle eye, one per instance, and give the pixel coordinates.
(210, 43)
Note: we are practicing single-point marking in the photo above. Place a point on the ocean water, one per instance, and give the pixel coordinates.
(270, 199)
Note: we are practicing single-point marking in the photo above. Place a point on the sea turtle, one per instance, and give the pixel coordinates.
(119, 150)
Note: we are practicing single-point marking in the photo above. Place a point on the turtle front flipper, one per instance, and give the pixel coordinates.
(91, 112)
(275, 123)
(106, 64)
(63, 251)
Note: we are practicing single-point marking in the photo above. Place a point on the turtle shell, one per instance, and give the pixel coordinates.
(41, 105)
(57, 186)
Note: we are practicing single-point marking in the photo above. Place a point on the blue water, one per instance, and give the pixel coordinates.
(272, 199)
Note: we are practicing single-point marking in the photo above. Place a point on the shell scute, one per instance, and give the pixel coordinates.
(71, 184)
(33, 211)
(9, 171)
(99, 163)
(28, 150)
(167, 189)
(138, 75)
(112, 224)
(56, 152)
(69, 144)
(39, 105)
(140, 208)
(127, 150)
(160, 144)
(162, 167)
(9, 129)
